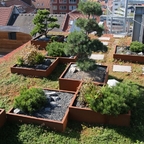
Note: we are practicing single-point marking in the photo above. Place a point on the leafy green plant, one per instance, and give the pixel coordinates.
(112, 101)
(30, 100)
(39, 58)
(56, 49)
(20, 61)
(136, 46)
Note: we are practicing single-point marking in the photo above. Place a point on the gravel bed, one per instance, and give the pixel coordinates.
(125, 50)
(98, 74)
(58, 109)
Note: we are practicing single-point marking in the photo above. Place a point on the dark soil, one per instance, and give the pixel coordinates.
(98, 74)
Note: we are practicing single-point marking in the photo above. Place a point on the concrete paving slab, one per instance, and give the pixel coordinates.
(104, 38)
(105, 43)
(120, 68)
(97, 56)
(118, 36)
(142, 70)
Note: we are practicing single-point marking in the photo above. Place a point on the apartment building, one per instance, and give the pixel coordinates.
(62, 6)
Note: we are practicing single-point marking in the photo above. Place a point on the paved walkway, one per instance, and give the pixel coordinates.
(120, 68)
(104, 38)
(97, 56)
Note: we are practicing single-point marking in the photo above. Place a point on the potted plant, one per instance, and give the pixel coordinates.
(44, 22)
(2, 117)
(56, 49)
(133, 53)
(105, 105)
(78, 43)
(47, 107)
(32, 62)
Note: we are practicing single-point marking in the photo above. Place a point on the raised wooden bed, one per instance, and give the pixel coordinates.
(88, 115)
(42, 44)
(54, 124)
(130, 58)
(35, 72)
(72, 84)
(2, 117)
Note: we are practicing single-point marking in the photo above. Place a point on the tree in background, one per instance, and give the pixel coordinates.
(90, 9)
(44, 23)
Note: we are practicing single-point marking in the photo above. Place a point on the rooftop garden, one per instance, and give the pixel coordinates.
(76, 132)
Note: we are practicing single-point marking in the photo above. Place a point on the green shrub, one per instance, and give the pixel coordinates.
(112, 101)
(136, 46)
(54, 38)
(30, 100)
(39, 58)
(86, 64)
(20, 61)
(31, 57)
(55, 49)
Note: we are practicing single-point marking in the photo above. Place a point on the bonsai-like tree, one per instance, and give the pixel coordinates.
(44, 23)
(79, 43)
(90, 9)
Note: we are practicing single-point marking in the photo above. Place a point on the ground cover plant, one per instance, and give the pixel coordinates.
(77, 133)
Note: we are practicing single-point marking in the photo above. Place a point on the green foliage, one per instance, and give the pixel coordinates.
(86, 64)
(44, 23)
(56, 49)
(54, 38)
(136, 46)
(20, 61)
(39, 58)
(97, 45)
(91, 9)
(89, 25)
(112, 101)
(30, 100)
(78, 44)
(31, 58)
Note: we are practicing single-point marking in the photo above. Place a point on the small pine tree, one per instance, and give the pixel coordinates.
(44, 23)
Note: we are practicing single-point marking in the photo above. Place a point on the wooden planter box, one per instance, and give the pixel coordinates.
(35, 72)
(130, 58)
(71, 84)
(42, 44)
(56, 125)
(88, 115)
(2, 117)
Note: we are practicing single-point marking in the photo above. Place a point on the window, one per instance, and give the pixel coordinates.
(62, 12)
(53, 1)
(63, 7)
(63, 1)
(54, 7)
(72, 7)
(12, 35)
(72, 1)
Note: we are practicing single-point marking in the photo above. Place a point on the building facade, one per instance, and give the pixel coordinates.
(63, 6)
